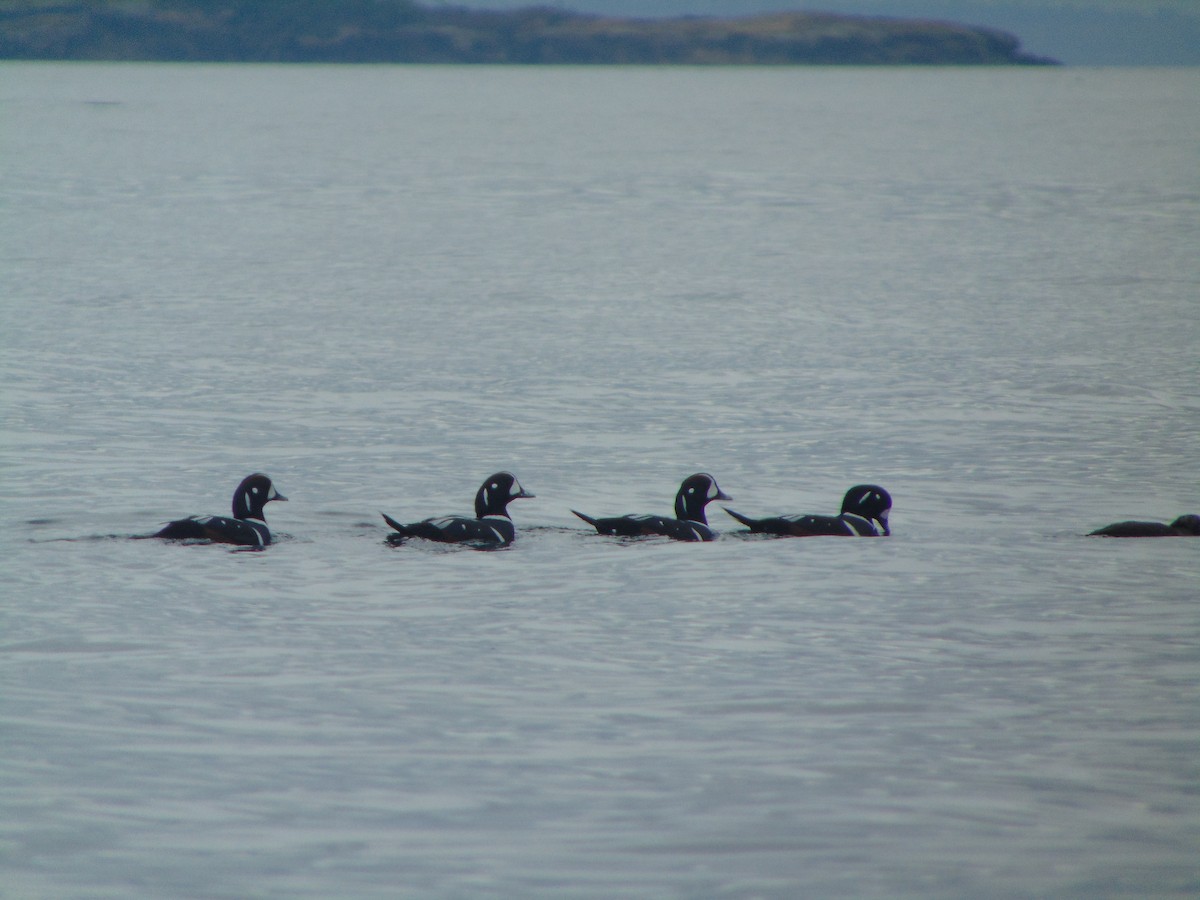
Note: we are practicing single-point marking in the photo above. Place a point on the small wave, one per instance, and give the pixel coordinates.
(67, 645)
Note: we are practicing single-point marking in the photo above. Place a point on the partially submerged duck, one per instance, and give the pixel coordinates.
(1184, 526)
(689, 524)
(865, 510)
(491, 526)
(247, 527)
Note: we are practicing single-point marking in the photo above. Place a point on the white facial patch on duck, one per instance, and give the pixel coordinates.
(713, 490)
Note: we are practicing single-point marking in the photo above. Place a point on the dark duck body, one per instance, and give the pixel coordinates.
(247, 527)
(689, 524)
(1184, 526)
(491, 526)
(865, 510)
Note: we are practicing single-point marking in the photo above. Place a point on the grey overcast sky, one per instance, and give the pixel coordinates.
(1076, 32)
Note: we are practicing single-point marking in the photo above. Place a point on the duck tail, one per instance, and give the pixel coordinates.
(396, 525)
(587, 519)
(745, 520)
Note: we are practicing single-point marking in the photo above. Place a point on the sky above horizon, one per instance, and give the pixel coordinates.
(1075, 32)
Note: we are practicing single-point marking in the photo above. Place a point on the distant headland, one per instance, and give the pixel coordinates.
(400, 31)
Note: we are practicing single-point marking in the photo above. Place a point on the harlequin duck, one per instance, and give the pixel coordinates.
(1184, 526)
(864, 513)
(689, 523)
(491, 526)
(248, 527)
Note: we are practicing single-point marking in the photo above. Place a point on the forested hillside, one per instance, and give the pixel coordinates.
(400, 31)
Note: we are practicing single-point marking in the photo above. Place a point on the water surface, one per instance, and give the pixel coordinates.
(380, 284)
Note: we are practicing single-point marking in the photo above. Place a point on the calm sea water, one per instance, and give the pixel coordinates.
(980, 289)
